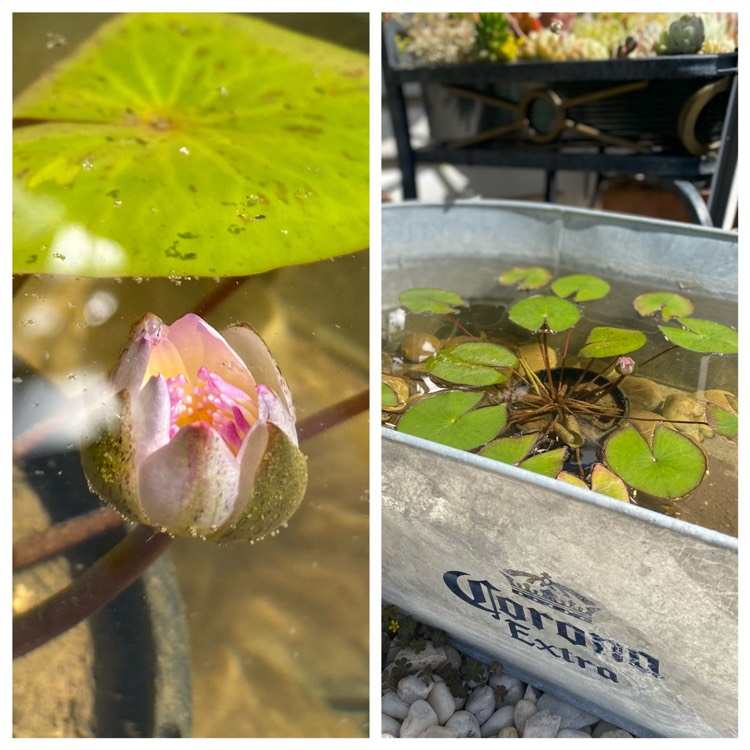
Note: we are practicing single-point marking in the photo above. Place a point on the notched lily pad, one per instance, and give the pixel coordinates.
(472, 363)
(705, 336)
(451, 418)
(544, 311)
(531, 277)
(192, 144)
(669, 304)
(671, 467)
(583, 287)
(604, 341)
(430, 300)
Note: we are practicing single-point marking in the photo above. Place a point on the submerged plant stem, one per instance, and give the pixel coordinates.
(223, 290)
(333, 415)
(63, 536)
(458, 324)
(124, 563)
(90, 591)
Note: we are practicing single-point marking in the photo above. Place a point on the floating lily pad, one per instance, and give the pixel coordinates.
(532, 277)
(472, 363)
(603, 481)
(702, 336)
(671, 467)
(430, 300)
(388, 396)
(604, 341)
(394, 393)
(549, 463)
(448, 418)
(573, 479)
(583, 286)
(722, 422)
(192, 144)
(606, 482)
(542, 310)
(510, 450)
(670, 304)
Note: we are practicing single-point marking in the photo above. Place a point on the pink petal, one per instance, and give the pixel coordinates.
(277, 413)
(151, 417)
(251, 453)
(133, 361)
(254, 352)
(200, 345)
(190, 485)
(166, 360)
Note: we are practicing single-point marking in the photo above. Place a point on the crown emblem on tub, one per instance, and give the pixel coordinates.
(543, 590)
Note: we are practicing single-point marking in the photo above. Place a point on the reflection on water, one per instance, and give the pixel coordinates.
(278, 629)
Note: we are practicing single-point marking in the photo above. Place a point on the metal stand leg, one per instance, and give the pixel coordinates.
(394, 92)
(550, 189)
(722, 202)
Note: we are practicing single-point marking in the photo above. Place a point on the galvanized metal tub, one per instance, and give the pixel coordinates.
(627, 612)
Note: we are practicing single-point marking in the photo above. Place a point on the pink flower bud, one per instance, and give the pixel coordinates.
(625, 366)
(204, 443)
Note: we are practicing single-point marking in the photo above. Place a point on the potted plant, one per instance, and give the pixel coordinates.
(609, 93)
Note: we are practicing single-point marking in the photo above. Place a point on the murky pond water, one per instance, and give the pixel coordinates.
(278, 630)
(669, 385)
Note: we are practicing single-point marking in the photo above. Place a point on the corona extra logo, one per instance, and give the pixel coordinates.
(543, 590)
(533, 628)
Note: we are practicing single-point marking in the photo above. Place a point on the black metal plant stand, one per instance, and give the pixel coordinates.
(661, 117)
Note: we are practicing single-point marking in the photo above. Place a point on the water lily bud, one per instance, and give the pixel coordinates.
(625, 366)
(204, 441)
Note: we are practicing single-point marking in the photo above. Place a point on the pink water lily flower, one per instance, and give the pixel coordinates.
(204, 443)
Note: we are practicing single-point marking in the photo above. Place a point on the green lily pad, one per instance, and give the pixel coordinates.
(472, 363)
(670, 304)
(702, 336)
(542, 310)
(394, 393)
(603, 341)
(510, 450)
(671, 467)
(192, 144)
(531, 277)
(430, 300)
(603, 481)
(573, 479)
(583, 286)
(548, 464)
(448, 418)
(388, 396)
(606, 482)
(723, 421)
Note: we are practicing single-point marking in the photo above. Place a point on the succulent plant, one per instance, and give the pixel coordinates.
(683, 37)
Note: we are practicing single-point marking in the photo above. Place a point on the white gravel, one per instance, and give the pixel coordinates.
(417, 702)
